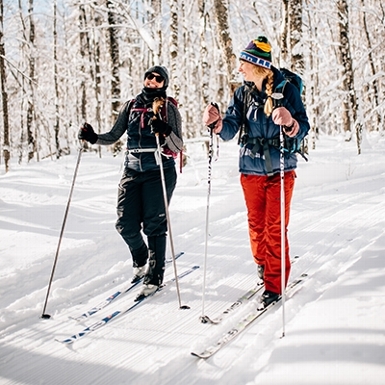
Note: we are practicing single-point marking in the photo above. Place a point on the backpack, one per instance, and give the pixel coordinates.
(292, 145)
(293, 78)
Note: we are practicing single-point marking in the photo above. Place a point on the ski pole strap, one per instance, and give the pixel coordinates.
(262, 146)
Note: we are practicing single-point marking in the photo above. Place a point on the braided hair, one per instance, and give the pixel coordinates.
(269, 76)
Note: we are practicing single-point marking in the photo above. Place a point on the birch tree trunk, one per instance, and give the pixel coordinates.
(284, 59)
(4, 93)
(56, 83)
(375, 101)
(291, 36)
(344, 57)
(114, 55)
(204, 67)
(157, 6)
(113, 43)
(174, 27)
(97, 73)
(32, 147)
(82, 51)
(313, 90)
(350, 105)
(295, 16)
(225, 41)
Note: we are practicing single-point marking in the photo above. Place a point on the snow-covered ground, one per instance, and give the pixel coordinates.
(334, 325)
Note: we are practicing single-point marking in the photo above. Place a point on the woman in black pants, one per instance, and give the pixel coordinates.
(140, 197)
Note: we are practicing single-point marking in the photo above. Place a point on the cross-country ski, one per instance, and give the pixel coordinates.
(113, 297)
(98, 324)
(244, 323)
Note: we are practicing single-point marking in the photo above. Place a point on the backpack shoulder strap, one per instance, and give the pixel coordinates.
(244, 129)
(172, 100)
(281, 86)
(164, 109)
(129, 107)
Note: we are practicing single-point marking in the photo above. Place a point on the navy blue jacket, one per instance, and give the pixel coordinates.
(261, 126)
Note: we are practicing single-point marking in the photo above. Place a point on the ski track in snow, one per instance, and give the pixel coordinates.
(334, 224)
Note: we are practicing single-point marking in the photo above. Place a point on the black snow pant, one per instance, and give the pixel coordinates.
(141, 208)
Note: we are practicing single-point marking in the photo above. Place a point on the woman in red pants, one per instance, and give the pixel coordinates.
(258, 118)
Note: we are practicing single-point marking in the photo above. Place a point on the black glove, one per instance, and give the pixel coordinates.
(87, 133)
(160, 127)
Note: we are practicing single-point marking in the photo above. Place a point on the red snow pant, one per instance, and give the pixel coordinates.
(263, 202)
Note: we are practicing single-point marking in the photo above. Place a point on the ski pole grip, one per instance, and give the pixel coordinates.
(212, 125)
(215, 105)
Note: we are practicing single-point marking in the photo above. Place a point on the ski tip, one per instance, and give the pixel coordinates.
(66, 342)
(207, 320)
(200, 355)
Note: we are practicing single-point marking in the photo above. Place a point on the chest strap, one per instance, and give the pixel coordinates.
(143, 111)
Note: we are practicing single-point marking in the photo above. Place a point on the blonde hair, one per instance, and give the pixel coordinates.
(269, 75)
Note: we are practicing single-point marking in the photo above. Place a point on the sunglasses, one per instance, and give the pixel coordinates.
(158, 78)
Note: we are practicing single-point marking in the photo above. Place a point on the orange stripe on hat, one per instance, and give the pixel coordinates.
(266, 47)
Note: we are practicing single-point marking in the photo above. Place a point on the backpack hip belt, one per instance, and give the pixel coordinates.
(139, 150)
(154, 150)
(262, 146)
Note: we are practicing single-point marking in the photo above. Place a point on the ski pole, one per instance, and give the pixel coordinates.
(278, 96)
(283, 232)
(159, 159)
(44, 315)
(203, 318)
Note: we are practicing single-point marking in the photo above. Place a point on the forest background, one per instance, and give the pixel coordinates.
(63, 62)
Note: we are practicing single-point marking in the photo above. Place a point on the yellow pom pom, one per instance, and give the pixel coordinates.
(265, 47)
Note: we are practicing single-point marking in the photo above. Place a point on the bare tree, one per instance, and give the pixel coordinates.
(83, 50)
(375, 96)
(312, 91)
(56, 82)
(4, 93)
(285, 25)
(291, 36)
(203, 17)
(174, 28)
(350, 104)
(225, 41)
(114, 55)
(96, 64)
(295, 14)
(32, 147)
(158, 32)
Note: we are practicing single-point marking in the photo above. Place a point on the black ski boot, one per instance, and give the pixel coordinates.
(139, 258)
(269, 297)
(153, 278)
